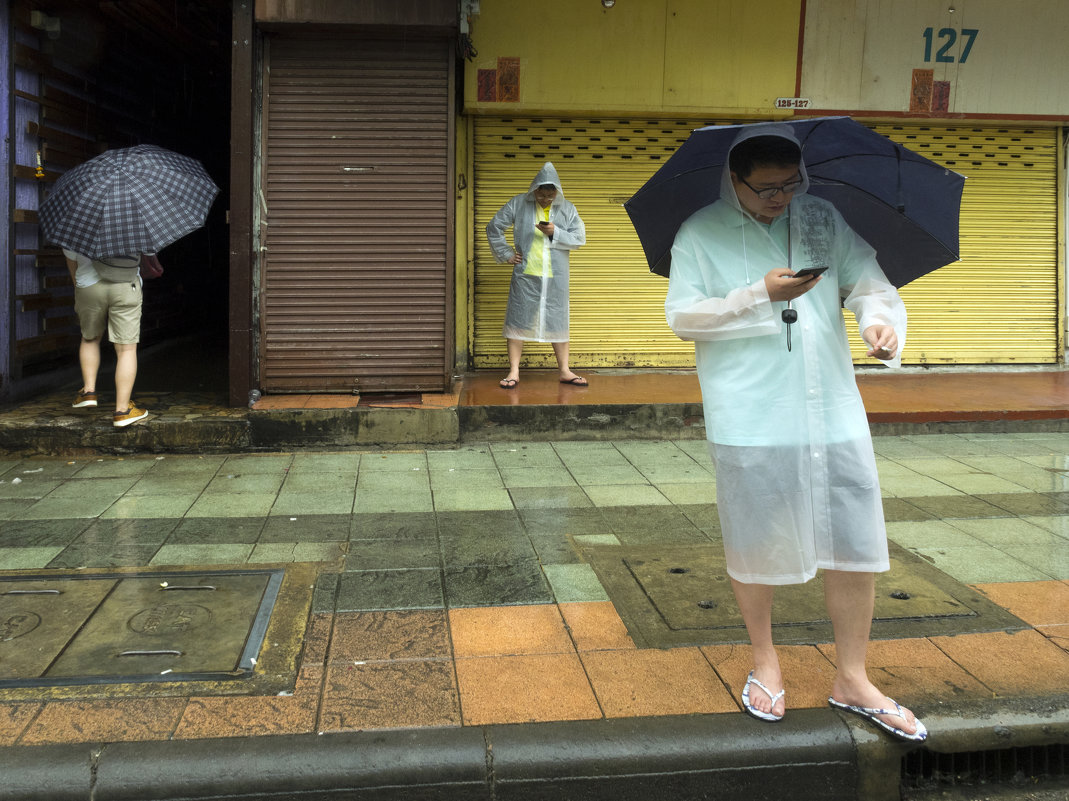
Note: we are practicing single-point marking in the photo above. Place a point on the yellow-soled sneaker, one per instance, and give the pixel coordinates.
(85, 399)
(131, 415)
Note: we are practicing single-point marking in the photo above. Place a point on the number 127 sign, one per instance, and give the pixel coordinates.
(945, 40)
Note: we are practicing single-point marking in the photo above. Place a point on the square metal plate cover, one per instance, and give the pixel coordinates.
(681, 595)
(131, 627)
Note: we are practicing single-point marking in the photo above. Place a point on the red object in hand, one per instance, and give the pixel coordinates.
(150, 266)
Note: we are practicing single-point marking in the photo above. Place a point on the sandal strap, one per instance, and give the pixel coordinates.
(775, 698)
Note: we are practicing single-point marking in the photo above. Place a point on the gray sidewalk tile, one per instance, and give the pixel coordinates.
(470, 457)
(406, 480)
(11, 508)
(306, 528)
(394, 462)
(30, 558)
(306, 503)
(458, 499)
(453, 479)
(231, 483)
(549, 497)
(154, 483)
(273, 464)
(525, 454)
(625, 495)
(136, 506)
(573, 521)
(573, 583)
(215, 554)
(542, 476)
(392, 500)
(316, 462)
(689, 494)
(499, 585)
(231, 505)
(388, 526)
(188, 465)
(390, 554)
(980, 564)
(278, 552)
(115, 468)
(555, 549)
(24, 533)
(381, 590)
(206, 530)
(320, 482)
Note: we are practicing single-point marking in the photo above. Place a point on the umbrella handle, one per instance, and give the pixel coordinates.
(789, 316)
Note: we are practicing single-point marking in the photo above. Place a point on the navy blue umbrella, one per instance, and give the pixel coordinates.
(904, 205)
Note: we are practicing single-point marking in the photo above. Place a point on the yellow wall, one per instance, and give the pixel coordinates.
(995, 57)
(641, 56)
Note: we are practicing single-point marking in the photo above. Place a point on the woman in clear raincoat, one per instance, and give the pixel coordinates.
(797, 488)
(545, 227)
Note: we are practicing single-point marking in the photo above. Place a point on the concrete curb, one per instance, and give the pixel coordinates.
(819, 754)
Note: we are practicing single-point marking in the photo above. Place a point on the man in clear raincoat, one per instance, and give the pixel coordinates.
(545, 227)
(797, 488)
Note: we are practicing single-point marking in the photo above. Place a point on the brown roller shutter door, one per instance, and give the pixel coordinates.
(356, 284)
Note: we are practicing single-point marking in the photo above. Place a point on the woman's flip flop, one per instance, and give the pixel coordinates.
(870, 714)
(757, 713)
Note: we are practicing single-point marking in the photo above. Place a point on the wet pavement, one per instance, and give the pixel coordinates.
(446, 634)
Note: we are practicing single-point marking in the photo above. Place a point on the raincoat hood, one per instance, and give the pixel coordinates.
(546, 175)
(727, 188)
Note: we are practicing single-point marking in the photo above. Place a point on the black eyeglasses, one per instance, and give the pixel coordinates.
(770, 192)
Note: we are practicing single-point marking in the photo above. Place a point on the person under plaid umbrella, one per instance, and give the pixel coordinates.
(127, 201)
(108, 214)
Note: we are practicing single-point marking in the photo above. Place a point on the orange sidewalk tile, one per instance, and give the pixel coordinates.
(596, 626)
(677, 681)
(116, 720)
(1059, 635)
(525, 689)
(1037, 603)
(916, 671)
(14, 719)
(509, 630)
(1022, 663)
(807, 674)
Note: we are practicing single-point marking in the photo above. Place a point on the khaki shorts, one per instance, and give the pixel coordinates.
(118, 306)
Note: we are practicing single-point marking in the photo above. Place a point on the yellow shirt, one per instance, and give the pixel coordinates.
(538, 256)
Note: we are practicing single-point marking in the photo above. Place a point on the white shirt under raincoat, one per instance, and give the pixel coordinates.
(538, 294)
(796, 480)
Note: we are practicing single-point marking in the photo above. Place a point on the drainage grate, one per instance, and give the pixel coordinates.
(107, 628)
(925, 770)
(677, 595)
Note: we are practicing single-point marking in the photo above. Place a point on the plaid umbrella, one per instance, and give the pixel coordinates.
(127, 201)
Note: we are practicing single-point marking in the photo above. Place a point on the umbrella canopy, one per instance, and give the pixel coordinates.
(127, 201)
(901, 203)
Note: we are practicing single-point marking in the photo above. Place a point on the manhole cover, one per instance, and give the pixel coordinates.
(105, 628)
(681, 595)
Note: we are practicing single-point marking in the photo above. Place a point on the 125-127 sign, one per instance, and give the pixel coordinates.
(945, 40)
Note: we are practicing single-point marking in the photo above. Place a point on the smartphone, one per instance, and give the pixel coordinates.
(810, 271)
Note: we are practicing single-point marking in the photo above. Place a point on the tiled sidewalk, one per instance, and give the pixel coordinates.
(453, 591)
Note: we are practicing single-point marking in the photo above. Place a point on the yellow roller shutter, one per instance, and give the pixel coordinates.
(998, 305)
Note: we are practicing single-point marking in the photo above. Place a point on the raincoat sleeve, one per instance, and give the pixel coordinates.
(570, 232)
(495, 229)
(695, 312)
(866, 291)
